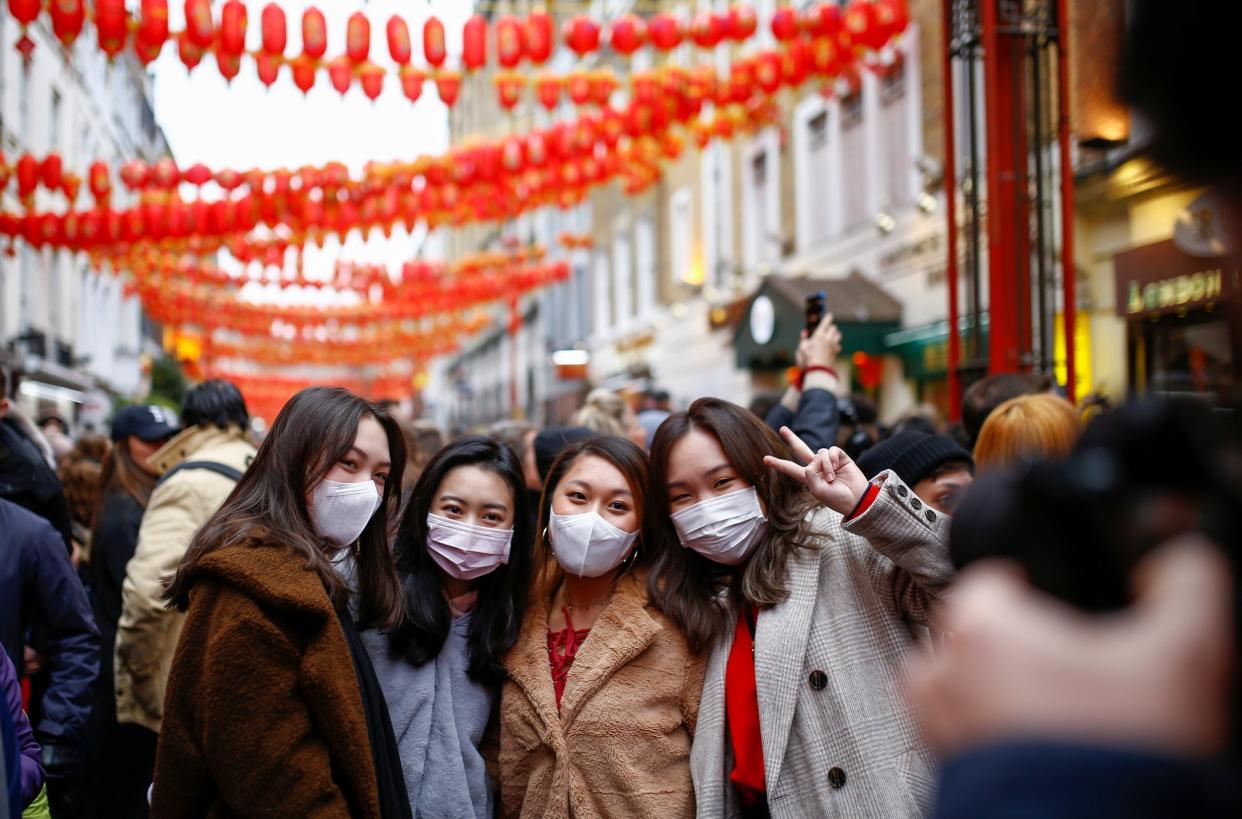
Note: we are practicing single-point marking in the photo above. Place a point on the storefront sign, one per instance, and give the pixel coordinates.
(1162, 278)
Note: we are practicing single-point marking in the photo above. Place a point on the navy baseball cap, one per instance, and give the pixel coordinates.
(147, 423)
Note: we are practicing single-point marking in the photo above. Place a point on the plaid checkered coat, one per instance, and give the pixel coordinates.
(838, 740)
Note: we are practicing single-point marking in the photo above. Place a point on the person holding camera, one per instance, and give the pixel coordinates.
(809, 407)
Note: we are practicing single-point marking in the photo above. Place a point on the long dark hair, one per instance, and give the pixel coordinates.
(312, 433)
(121, 473)
(631, 461)
(497, 616)
(685, 585)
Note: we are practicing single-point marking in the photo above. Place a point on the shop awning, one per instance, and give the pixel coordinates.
(924, 350)
(775, 315)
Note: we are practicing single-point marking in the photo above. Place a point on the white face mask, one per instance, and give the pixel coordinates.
(466, 551)
(723, 529)
(340, 511)
(586, 545)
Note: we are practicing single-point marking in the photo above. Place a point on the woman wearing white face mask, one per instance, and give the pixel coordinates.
(806, 613)
(272, 706)
(599, 711)
(463, 553)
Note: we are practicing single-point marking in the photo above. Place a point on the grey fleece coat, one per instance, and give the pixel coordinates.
(439, 716)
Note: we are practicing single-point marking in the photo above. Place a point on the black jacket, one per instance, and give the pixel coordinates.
(39, 586)
(27, 480)
(113, 544)
(816, 422)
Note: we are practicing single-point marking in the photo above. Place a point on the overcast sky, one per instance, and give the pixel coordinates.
(245, 125)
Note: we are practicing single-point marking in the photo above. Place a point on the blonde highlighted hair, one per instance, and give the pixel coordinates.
(1027, 428)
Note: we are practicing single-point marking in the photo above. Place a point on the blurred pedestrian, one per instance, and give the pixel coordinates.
(80, 472)
(40, 591)
(985, 395)
(56, 431)
(806, 614)
(606, 413)
(1031, 427)
(463, 556)
(116, 786)
(656, 407)
(20, 747)
(935, 468)
(423, 439)
(810, 407)
(198, 469)
(520, 437)
(27, 476)
(550, 442)
(599, 710)
(272, 705)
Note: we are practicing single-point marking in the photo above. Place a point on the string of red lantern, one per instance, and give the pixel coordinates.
(864, 24)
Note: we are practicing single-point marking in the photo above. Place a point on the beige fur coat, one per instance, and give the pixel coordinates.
(620, 745)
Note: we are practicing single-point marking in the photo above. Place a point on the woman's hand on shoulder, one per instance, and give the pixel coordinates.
(829, 475)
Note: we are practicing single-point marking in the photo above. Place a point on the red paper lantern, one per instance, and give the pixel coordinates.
(165, 174)
(892, 17)
(433, 42)
(768, 71)
(510, 41)
(228, 64)
(826, 57)
(198, 174)
(25, 12)
(340, 73)
(742, 22)
(358, 38)
(665, 32)
(579, 83)
(784, 24)
(275, 29)
(191, 55)
(603, 83)
(112, 25)
(539, 35)
(860, 24)
(508, 89)
(135, 174)
(582, 35)
(304, 71)
(448, 84)
(628, 34)
(152, 28)
(68, 16)
(794, 62)
(412, 82)
(399, 47)
(707, 29)
(548, 90)
(268, 68)
(232, 28)
(314, 34)
(371, 78)
(824, 20)
(474, 43)
(51, 170)
(99, 181)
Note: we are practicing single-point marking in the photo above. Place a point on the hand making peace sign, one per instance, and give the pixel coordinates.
(829, 475)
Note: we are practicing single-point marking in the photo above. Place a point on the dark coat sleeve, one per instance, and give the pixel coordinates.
(31, 769)
(60, 606)
(816, 422)
(1053, 779)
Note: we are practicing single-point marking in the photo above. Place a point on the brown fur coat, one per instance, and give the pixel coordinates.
(263, 715)
(620, 745)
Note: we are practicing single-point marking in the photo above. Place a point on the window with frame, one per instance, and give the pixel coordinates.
(681, 236)
(853, 160)
(894, 130)
(816, 177)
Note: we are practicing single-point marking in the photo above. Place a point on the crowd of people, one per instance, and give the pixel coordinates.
(785, 610)
(698, 612)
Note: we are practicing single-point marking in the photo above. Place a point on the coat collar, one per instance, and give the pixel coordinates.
(780, 646)
(191, 440)
(622, 631)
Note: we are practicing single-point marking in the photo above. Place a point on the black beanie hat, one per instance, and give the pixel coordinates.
(913, 455)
